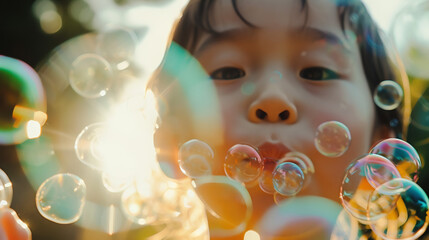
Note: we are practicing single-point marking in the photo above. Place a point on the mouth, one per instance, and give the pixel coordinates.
(272, 151)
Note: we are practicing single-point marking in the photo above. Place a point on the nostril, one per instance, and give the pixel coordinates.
(261, 114)
(284, 115)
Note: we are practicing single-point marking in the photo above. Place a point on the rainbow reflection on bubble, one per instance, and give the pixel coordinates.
(409, 217)
(243, 163)
(332, 138)
(288, 178)
(22, 99)
(61, 198)
(362, 177)
(402, 154)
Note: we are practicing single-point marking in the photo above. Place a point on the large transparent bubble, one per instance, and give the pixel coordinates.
(228, 204)
(362, 177)
(332, 138)
(22, 102)
(195, 158)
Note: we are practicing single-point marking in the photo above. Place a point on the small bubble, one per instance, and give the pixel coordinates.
(61, 198)
(88, 145)
(195, 158)
(6, 190)
(90, 76)
(332, 138)
(243, 163)
(288, 178)
(362, 177)
(388, 95)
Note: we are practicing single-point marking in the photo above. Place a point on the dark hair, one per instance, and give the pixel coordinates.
(377, 66)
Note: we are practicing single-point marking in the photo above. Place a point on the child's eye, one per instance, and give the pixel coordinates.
(227, 73)
(318, 73)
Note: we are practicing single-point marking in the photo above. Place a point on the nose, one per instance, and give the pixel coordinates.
(272, 106)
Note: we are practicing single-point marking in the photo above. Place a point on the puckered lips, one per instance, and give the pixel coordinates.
(272, 151)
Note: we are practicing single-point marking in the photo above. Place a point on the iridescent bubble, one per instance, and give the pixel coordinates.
(228, 212)
(88, 145)
(402, 154)
(288, 178)
(243, 163)
(332, 138)
(20, 89)
(90, 75)
(388, 95)
(409, 218)
(303, 162)
(61, 198)
(6, 190)
(117, 45)
(195, 158)
(362, 177)
(266, 178)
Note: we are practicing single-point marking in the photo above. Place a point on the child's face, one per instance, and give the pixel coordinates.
(278, 82)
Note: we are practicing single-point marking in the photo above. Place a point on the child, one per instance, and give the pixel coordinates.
(280, 68)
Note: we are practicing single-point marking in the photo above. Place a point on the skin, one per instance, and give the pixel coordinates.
(313, 77)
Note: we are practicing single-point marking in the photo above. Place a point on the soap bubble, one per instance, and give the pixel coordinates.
(22, 98)
(303, 162)
(195, 158)
(228, 204)
(288, 178)
(388, 95)
(117, 45)
(409, 218)
(266, 178)
(88, 145)
(402, 154)
(362, 177)
(90, 75)
(332, 138)
(61, 198)
(6, 190)
(243, 163)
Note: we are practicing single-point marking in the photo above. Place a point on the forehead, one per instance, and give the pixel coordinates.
(284, 14)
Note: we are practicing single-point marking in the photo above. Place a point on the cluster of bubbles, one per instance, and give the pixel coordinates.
(379, 190)
(93, 74)
(245, 165)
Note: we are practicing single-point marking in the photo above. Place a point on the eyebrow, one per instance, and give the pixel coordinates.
(310, 33)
